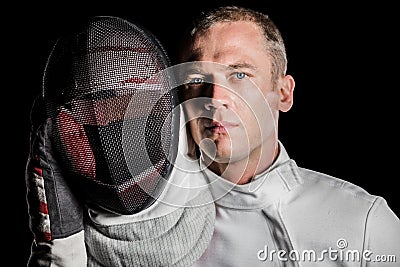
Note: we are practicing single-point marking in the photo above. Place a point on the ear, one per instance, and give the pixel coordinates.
(285, 90)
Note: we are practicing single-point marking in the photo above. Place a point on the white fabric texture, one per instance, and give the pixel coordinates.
(299, 217)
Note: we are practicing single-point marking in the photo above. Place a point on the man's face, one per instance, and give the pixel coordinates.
(231, 103)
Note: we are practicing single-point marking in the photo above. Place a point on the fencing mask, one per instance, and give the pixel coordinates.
(114, 124)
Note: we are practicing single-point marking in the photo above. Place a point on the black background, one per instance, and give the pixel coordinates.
(343, 122)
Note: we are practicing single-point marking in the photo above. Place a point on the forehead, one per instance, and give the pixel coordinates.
(224, 38)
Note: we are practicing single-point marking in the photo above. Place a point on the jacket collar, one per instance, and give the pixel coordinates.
(266, 188)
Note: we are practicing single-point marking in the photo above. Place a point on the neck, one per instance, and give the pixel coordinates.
(243, 171)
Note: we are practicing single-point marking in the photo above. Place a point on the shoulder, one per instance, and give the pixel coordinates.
(343, 197)
(324, 202)
(330, 185)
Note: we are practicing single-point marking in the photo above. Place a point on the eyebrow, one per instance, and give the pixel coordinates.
(242, 65)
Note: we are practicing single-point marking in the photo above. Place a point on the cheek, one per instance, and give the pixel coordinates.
(273, 100)
(258, 106)
(195, 107)
(257, 114)
(195, 131)
(189, 94)
(264, 93)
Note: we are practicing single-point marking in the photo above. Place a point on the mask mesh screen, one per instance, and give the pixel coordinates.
(113, 124)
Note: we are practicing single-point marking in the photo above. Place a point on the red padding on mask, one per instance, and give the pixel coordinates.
(76, 145)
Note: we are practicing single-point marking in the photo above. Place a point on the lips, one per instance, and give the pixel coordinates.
(219, 127)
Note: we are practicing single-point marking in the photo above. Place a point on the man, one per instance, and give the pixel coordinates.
(270, 212)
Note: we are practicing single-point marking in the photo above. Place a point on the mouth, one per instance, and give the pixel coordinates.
(219, 127)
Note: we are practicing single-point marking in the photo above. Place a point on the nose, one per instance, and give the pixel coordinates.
(221, 97)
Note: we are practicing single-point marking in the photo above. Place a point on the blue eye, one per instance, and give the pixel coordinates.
(240, 75)
(195, 81)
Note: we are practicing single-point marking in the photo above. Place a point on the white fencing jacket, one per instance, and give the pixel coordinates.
(287, 216)
(299, 217)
